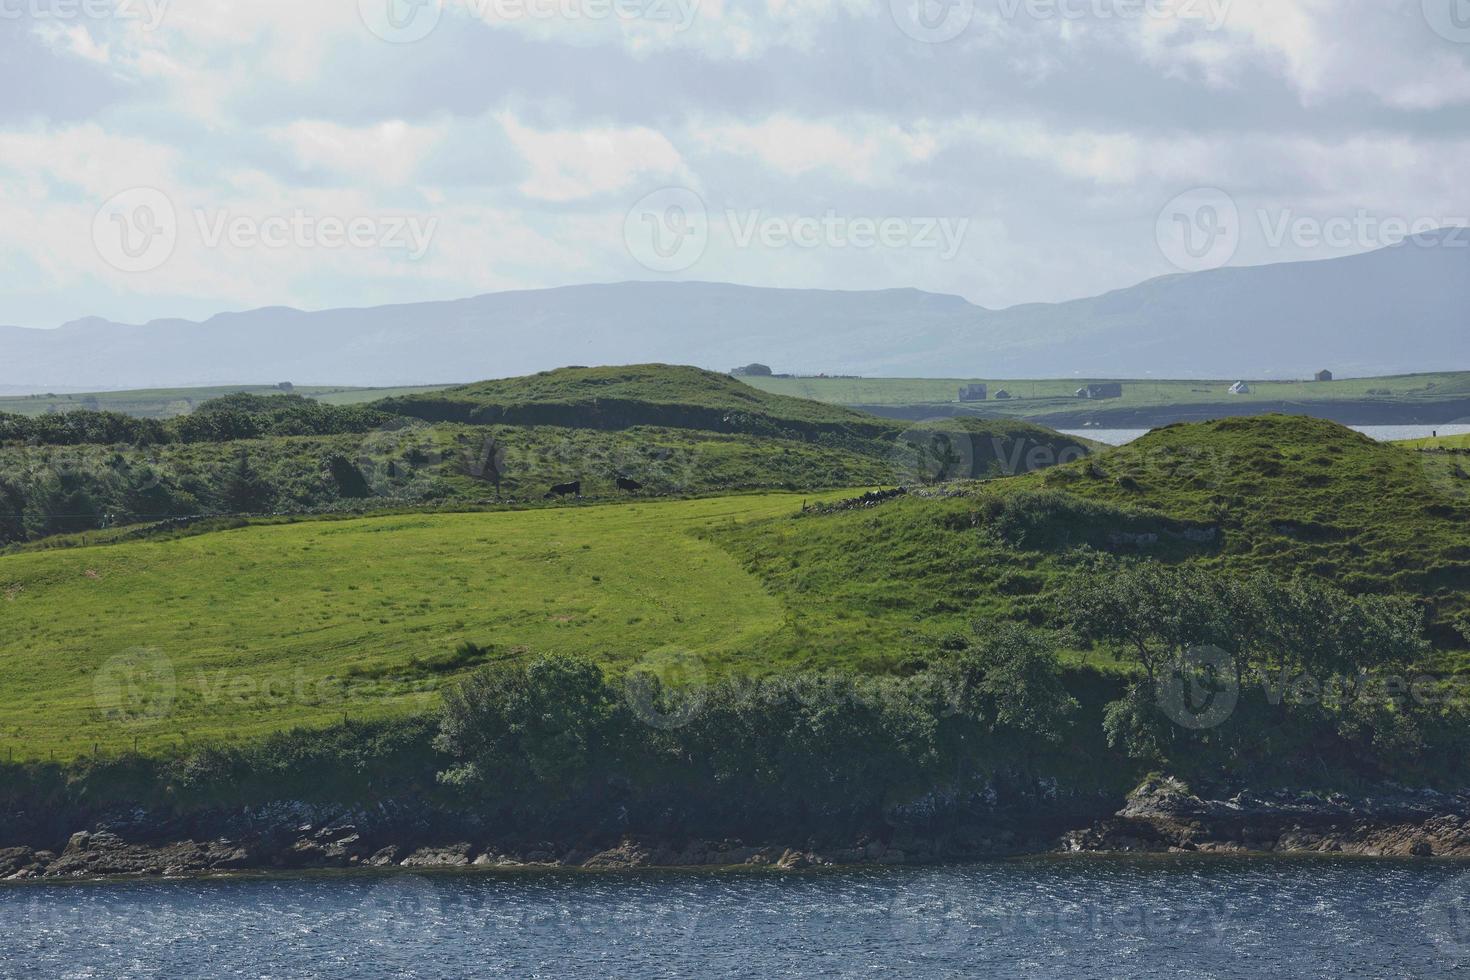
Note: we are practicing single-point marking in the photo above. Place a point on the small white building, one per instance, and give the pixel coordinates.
(1240, 388)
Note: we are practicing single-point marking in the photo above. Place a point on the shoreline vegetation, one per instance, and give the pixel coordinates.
(1240, 636)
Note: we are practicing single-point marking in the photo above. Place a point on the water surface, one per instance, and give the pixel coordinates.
(1382, 433)
(1065, 918)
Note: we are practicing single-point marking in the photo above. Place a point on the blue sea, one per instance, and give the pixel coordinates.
(1046, 917)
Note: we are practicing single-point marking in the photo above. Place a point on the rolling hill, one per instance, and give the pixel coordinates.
(1396, 310)
(640, 394)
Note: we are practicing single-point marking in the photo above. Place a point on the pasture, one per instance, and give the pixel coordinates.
(244, 632)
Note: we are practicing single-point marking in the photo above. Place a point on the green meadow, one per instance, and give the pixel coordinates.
(244, 632)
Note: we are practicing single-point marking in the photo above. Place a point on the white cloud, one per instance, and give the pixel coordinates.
(572, 164)
(388, 153)
(862, 150)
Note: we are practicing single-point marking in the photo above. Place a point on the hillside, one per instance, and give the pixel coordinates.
(1301, 493)
(1284, 493)
(244, 632)
(1392, 311)
(640, 394)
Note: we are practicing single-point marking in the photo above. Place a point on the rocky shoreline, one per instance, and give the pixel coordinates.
(1162, 816)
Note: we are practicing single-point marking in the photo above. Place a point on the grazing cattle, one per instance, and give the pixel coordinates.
(566, 490)
(632, 486)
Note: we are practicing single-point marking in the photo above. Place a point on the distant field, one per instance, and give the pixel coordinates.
(1443, 442)
(1041, 398)
(161, 403)
(239, 633)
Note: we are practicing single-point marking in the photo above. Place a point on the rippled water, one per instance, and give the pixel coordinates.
(1383, 433)
(1041, 918)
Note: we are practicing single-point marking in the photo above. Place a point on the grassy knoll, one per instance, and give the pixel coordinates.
(1302, 493)
(1046, 400)
(640, 394)
(239, 633)
(1289, 494)
(164, 403)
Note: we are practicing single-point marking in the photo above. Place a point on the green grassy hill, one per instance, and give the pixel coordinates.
(1300, 492)
(243, 632)
(867, 586)
(640, 394)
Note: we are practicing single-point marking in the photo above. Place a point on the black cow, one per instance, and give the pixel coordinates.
(632, 486)
(566, 490)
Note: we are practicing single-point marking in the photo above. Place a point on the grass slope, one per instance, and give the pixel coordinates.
(239, 633)
(640, 394)
(868, 586)
(1300, 492)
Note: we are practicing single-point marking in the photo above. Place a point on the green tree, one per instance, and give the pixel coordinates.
(242, 490)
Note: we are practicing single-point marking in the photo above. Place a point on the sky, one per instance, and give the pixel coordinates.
(164, 158)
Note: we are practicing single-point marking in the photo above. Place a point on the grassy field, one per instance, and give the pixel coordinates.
(163, 403)
(1461, 442)
(1041, 398)
(240, 633)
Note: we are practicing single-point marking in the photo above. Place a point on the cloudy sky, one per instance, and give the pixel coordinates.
(181, 158)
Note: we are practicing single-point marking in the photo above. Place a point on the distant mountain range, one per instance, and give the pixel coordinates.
(1396, 310)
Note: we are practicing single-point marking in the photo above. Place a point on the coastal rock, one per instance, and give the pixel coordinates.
(1162, 815)
(453, 856)
(625, 855)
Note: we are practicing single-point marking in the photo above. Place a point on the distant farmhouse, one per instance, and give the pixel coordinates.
(1240, 388)
(1108, 389)
(1324, 375)
(974, 393)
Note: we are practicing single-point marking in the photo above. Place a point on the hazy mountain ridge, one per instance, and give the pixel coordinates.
(1396, 310)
